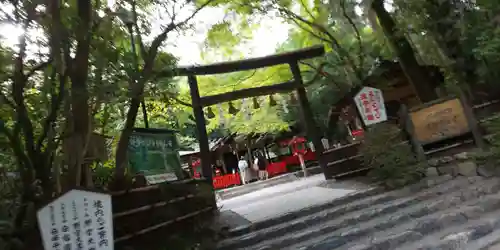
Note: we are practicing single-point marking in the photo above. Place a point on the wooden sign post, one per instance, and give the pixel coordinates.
(78, 220)
(440, 120)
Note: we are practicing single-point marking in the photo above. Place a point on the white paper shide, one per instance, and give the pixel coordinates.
(78, 220)
(370, 104)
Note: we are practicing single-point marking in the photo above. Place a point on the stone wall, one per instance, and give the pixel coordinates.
(462, 164)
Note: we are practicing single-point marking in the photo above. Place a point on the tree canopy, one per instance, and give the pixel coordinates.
(85, 67)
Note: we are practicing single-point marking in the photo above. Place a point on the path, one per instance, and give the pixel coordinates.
(271, 202)
(443, 212)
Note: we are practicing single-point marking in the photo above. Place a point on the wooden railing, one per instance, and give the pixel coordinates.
(149, 215)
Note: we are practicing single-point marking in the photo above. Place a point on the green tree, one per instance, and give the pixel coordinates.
(352, 46)
(69, 76)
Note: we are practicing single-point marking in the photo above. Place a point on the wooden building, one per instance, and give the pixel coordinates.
(389, 77)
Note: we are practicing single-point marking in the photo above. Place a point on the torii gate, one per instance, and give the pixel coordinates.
(290, 58)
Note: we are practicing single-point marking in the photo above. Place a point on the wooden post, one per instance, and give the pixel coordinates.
(237, 154)
(206, 168)
(302, 164)
(408, 127)
(221, 159)
(249, 150)
(471, 120)
(190, 164)
(250, 157)
(307, 116)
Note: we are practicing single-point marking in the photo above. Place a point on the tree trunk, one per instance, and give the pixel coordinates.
(443, 25)
(420, 78)
(121, 149)
(79, 91)
(135, 101)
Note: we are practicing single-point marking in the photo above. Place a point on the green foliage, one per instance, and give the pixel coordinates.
(351, 50)
(94, 74)
(491, 157)
(460, 36)
(222, 36)
(9, 194)
(9, 202)
(103, 174)
(393, 163)
(465, 38)
(264, 119)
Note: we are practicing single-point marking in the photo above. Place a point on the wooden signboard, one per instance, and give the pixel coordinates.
(155, 153)
(77, 220)
(440, 121)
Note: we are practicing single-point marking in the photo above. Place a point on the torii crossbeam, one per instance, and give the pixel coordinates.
(290, 58)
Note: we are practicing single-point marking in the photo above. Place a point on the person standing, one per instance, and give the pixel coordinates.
(264, 166)
(260, 162)
(243, 167)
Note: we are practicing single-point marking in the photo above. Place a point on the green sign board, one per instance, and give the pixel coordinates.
(154, 153)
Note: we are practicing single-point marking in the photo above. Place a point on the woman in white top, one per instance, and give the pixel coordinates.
(243, 167)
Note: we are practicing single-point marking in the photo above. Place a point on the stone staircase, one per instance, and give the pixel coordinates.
(438, 213)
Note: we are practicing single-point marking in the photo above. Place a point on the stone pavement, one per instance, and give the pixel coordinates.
(442, 212)
(284, 198)
(255, 186)
(274, 181)
(267, 205)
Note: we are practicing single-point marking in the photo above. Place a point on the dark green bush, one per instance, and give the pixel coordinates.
(393, 161)
(490, 158)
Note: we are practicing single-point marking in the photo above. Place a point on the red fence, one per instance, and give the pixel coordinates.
(276, 168)
(227, 180)
(294, 160)
(224, 181)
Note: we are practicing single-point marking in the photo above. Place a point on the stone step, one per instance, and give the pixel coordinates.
(330, 235)
(435, 187)
(430, 231)
(242, 231)
(474, 235)
(493, 246)
(486, 237)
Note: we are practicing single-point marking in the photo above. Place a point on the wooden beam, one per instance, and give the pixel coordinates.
(250, 92)
(253, 63)
(308, 118)
(206, 167)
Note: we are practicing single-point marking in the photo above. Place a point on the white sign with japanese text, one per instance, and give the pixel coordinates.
(78, 220)
(160, 178)
(370, 103)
